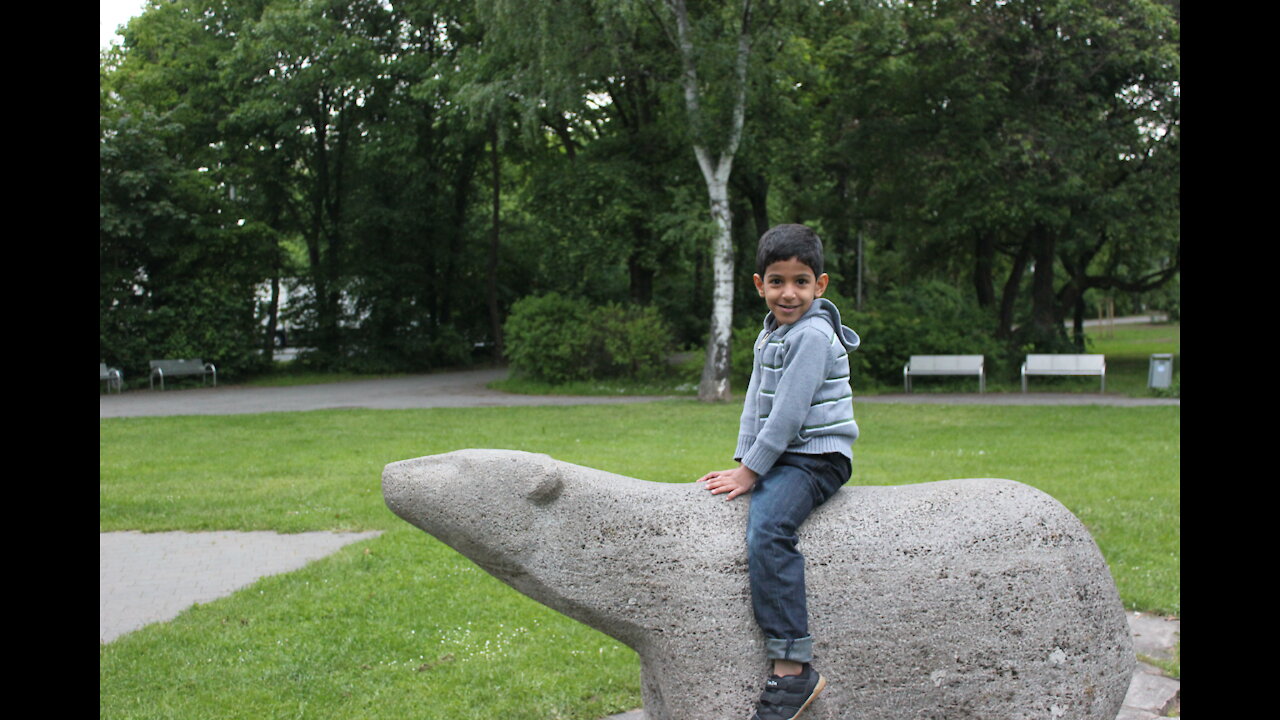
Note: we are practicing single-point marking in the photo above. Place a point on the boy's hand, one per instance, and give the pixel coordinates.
(735, 482)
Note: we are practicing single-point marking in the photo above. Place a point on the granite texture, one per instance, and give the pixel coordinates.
(983, 599)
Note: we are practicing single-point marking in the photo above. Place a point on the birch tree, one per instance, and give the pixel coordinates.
(714, 145)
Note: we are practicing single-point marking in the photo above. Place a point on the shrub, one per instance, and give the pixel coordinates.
(928, 318)
(558, 339)
(636, 342)
(197, 319)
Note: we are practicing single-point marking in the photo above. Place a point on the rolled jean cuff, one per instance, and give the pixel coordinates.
(799, 650)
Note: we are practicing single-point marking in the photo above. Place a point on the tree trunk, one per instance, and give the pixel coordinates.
(1077, 325)
(714, 386)
(491, 292)
(1012, 286)
(984, 253)
(640, 279)
(1046, 322)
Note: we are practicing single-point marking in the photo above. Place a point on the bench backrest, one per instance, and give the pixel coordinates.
(1065, 364)
(103, 371)
(175, 367)
(967, 364)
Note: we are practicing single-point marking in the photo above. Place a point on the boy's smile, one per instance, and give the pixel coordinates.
(789, 289)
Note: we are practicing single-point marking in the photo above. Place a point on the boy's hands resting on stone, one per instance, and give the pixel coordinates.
(735, 482)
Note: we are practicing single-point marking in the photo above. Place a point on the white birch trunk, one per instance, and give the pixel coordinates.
(714, 386)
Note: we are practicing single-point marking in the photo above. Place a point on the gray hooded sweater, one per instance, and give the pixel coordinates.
(799, 398)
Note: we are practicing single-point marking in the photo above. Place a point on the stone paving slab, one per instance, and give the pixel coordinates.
(149, 577)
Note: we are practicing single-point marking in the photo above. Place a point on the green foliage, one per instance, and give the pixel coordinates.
(199, 320)
(742, 355)
(636, 341)
(548, 338)
(927, 318)
(947, 136)
(176, 280)
(557, 339)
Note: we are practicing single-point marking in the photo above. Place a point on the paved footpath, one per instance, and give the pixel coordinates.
(440, 390)
(467, 389)
(152, 577)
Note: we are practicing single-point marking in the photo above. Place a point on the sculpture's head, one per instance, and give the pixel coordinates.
(486, 504)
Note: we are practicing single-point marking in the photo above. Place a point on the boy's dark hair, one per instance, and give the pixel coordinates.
(783, 242)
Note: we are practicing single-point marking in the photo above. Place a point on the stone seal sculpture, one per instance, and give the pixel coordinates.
(978, 599)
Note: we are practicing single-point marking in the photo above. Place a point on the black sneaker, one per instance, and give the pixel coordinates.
(784, 698)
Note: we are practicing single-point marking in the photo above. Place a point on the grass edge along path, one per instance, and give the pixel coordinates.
(394, 626)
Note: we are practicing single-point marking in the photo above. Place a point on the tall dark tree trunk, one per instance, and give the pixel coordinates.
(1012, 288)
(984, 256)
(1046, 322)
(640, 280)
(1077, 325)
(491, 292)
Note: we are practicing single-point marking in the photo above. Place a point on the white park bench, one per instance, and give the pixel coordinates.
(111, 375)
(945, 365)
(172, 368)
(1064, 364)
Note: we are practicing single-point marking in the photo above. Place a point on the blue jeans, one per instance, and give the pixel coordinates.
(780, 501)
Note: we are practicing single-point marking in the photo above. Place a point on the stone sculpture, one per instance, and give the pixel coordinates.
(978, 599)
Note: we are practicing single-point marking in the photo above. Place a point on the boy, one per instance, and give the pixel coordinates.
(794, 451)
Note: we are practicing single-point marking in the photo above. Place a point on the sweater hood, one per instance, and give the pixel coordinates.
(826, 309)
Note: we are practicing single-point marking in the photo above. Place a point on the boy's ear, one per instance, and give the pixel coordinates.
(821, 284)
(759, 281)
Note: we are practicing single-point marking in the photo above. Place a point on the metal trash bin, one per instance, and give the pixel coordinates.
(1160, 373)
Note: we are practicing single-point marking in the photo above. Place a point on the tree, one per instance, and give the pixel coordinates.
(1022, 131)
(603, 180)
(177, 270)
(715, 141)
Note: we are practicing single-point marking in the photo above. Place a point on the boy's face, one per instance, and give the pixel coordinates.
(789, 288)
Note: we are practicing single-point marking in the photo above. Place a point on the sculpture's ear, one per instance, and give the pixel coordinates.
(545, 487)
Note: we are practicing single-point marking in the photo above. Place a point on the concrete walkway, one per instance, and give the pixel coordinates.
(149, 577)
(467, 389)
(441, 390)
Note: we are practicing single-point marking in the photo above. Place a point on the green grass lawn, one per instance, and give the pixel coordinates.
(401, 626)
